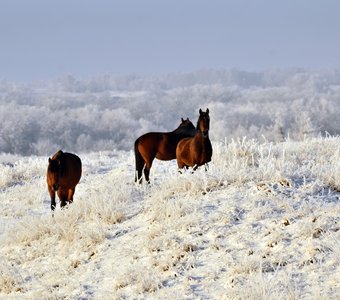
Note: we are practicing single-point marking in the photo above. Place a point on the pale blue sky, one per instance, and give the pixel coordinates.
(45, 39)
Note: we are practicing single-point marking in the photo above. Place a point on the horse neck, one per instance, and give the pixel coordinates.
(62, 165)
(200, 137)
(180, 133)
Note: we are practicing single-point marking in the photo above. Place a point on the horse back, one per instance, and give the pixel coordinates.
(161, 145)
(149, 142)
(71, 168)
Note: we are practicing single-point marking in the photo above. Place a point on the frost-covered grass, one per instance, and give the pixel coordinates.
(262, 223)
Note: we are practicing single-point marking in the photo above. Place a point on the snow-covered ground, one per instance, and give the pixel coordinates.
(262, 223)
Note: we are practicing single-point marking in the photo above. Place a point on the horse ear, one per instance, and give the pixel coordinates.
(182, 120)
(207, 110)
(49, 160)
(200, 111)
(187, 119)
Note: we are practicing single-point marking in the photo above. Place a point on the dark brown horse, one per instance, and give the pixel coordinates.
(160, 145)
(196, 151)
(63, 174)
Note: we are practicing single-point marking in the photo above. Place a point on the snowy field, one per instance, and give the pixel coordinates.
(262, 223)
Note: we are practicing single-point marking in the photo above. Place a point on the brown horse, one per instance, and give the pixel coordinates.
(196, 151)
(63, 174)
(160, 145)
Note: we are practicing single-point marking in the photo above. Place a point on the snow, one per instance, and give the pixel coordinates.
(263, 222)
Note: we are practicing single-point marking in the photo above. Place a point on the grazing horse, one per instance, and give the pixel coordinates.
(160, 145)
(196, 151)
(63, 174)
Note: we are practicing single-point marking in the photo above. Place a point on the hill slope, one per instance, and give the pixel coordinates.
(261, 223)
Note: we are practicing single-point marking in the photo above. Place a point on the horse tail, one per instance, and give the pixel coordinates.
(139, 163)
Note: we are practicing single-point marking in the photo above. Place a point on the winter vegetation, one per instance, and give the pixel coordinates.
(262, 222)
(107, 112)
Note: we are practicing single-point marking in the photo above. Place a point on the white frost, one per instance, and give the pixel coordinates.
(262, 223)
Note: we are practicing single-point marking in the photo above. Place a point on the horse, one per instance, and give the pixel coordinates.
(63, 174)
(197, 150)
(160, 145)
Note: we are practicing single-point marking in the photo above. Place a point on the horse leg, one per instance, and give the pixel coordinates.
(139, 160)
(70, 195)
(147, 168)
(147, 173)
(181, 165)
(139, 174)
(62, 194)
(52, 195)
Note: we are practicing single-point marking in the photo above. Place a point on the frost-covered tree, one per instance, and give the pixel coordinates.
(109, 112)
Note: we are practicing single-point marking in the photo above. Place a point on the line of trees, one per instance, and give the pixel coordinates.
(109, 112)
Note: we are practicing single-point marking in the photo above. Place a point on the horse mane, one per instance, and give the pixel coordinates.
(180, 130)
(57, 162)
(53, 166)
(58, 155)
(183, 129)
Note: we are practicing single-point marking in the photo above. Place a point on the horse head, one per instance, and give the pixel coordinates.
(54, 170)
(203, 122)
(186, 127)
